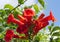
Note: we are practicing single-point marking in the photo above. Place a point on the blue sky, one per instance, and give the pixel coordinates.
(53, 5)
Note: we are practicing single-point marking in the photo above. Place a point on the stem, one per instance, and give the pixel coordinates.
(51, 39)
(30, 39)
(17, 6)
(14, 8)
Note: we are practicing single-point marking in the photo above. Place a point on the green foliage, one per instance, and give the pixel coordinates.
(42, 2)
(1, 29)
(19, 10)
(37, 39)
(54, 31)
(57, 40)
(8, 6)
(55, 28)
(49, 27)
(1, 36)
(56, 34)
(36, 8)
(20, 1)
(35, 17)
(40, 37)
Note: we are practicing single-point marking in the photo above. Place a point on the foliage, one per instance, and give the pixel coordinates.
(40, 37)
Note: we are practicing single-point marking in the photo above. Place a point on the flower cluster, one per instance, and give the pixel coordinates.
(27, 24)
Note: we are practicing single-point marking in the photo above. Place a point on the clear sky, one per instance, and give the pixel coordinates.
(53, 5)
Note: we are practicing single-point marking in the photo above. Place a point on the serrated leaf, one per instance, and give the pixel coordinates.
(36, 8)
(8, 6)
(56, 34)
(42, 2)
(55, 28)
(20, 1)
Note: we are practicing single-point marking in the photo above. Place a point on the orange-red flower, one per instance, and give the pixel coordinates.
(9, 35)
(41, 16)
(42, 22)
(22, 29)
(26, 22)
(10, 18)
(52, 17)
(22, 19)
(28, 12)
(48, 18)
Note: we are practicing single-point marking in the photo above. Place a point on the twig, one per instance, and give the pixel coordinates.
(17, 6)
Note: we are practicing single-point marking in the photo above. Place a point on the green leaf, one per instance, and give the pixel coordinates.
(57, 40)
(21, 1)
(36, 39)
(36, 8)
(8, 11)
(56, 34)
(55, 28)
(52, 24)
(42, 2)
(2, 12)
(35, 17)
(49, 27)
(0, 18)
(1, 36)
(8, 6)
(18, 10)
(1, 29)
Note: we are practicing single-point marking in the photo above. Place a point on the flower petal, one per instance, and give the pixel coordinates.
(28, 12)
(22, 18)
(9, 35)
(10, 18)
(41, 16)
(52, 17)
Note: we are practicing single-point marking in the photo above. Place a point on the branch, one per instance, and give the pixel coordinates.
(17, 6)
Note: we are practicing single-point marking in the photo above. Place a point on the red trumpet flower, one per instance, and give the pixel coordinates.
(41, 16)
(28, 12)
(10, 18)
(48, 18)
(9, 35)
(42, 22)
(26, 22)
(22, 19)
